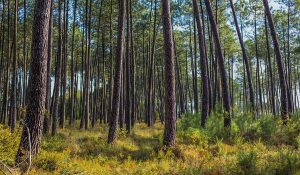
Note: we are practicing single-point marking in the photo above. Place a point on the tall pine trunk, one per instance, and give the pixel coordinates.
(117, 79)
(223, 73)
(204, 76)
(32, 131)
(14, 73)
(170, 94)
(245, 57)
(283, 85)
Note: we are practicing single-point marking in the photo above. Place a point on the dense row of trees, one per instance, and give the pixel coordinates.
(122, 62)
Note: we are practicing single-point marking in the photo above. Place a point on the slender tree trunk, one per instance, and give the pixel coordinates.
(223, 73)
(49, 61)
(196, 98)
(64, 67)
(289, 68)
(24, 54)
(127, 68)
(272, 93)
(111, 62)
(133, 90)
(192, 67)
(55, 103)
(245, 57)
(258, 83)
(117, 79)
(283, 85)
(87, 65)
(73, 109)
(204, 76)
(14, 73)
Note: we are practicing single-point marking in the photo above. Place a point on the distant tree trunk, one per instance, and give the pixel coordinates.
(6, 86)
(271, 84)
(14, 73)
(82, 87)
(2, 43)
(151, 73)
(180, 96)
(111, 62)
(258, 83)
(170, 96)
(133, 90)
(127, 68)
(289, 68)
(87, 66)
(64, 67)
(196, 98)
(2, 56)
(49, 61)
(121, 108)
(283, 85)
(204, 76)
(104, 112)
(72, 116)
(223, 74)
(87, 63)
(24, 54)
(193, 70)
(54, 110)
(245, 58)
(32, 130)
(187, 84)
(206, 58)
(117, 79)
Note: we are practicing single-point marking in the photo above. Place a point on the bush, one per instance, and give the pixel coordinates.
(285, 162)
(247, 162)
(89, 147)
(50, 161)
(55, 143)
(8, 145)
(189, 121)
(194, 136)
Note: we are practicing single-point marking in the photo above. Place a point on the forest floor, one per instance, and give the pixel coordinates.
(74, 151)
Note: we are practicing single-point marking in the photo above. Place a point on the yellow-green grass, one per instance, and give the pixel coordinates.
(74, 151)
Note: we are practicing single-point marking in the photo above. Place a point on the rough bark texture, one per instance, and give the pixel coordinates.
(117, 79)
(170, 96)
(37, 94)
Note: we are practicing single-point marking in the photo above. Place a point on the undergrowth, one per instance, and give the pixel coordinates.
(261, 146)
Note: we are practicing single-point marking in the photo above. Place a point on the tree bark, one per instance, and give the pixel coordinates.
(117, 79)
(170, 96)
(49, 61)
(72, 115)
(32, 129)
(14, 73)
(223, 73)
(245, 57)
(204, 76)
(283, 85)
(54, 110)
